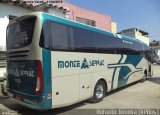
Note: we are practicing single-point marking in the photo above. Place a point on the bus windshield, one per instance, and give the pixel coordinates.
(19, 33)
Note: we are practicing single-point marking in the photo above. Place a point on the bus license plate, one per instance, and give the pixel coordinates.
(18, 98)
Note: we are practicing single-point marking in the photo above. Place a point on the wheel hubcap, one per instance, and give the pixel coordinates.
(99, 91)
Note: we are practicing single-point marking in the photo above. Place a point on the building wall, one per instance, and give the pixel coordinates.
(56, 12)
(135, 34)
(6, 10)
(114, 27)
(142, 38)
(102, 21)
(3, 25)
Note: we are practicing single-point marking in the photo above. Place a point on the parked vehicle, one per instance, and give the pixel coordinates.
(54, 62)
(154, 60)
(158, 61)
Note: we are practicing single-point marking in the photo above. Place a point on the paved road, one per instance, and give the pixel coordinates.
(140, 95)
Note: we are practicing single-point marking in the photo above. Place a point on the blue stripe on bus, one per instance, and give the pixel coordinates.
(115, 69)
(46, 57)
(125, 71)
(131, 59)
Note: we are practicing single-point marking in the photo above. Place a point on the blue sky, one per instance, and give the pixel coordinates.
(143, 14)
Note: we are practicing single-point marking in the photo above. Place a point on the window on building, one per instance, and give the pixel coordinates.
(86, 21)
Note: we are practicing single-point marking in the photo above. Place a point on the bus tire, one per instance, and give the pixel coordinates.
(99, 92)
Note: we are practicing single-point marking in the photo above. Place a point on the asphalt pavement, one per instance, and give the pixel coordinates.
(142, 96)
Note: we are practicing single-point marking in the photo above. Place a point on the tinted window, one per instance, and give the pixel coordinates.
(59, 37)
(82, 40)
(20, 33)
(54, 36)
(45, 35)
(88, 41)
(107, 44)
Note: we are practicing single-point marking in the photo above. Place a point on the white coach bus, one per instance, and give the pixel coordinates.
(54, 62)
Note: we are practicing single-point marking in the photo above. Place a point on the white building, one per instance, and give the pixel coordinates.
(9, 11)
(136, 33)
(157, 50)
(156, 46)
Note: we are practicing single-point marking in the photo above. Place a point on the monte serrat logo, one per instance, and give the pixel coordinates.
(85, 64)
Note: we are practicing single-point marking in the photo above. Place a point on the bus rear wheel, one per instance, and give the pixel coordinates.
(99, 92)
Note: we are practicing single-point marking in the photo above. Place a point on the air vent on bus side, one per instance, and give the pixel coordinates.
(15, 54)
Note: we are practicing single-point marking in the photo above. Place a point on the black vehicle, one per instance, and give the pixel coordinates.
(158, 61)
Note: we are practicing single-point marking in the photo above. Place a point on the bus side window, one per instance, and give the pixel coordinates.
(45, 36)
(82, 40)
(59, 37)
(54, 36)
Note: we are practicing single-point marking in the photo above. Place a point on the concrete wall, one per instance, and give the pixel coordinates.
(136, 34)
(142, 38)
(3, 25)
(102, 21)
(56, 12)
(5, 11)
(8, 9)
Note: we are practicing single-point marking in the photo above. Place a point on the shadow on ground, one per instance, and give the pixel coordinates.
(67, 110)
(8, 103)
(155, 80)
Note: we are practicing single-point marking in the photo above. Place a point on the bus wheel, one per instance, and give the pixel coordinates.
(99, 92)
